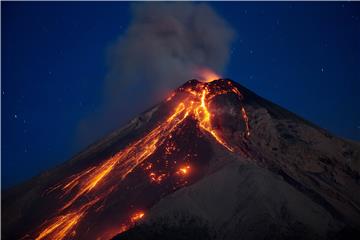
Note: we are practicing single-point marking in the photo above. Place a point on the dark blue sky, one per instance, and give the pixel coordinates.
(303, 56)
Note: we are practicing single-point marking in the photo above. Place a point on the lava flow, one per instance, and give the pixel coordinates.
(86, 191)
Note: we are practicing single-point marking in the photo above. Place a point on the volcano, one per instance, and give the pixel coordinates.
(212, 161)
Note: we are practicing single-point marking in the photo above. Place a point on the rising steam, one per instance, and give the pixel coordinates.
(164, 45)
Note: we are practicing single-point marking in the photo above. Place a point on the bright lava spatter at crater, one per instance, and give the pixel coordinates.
(85, 191)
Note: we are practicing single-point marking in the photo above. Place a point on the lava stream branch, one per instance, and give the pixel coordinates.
(129, 158)
(203, 116)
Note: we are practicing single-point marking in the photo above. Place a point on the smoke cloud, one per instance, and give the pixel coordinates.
(162, 48)
(166, 42)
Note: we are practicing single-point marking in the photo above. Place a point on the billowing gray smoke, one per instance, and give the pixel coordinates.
(166, 42)
(163, 47)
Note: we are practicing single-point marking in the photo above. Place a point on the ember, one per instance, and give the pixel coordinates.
(184, 170)
(137, 216)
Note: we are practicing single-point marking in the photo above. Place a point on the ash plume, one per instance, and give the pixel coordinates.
(166, 42)
(164, 45)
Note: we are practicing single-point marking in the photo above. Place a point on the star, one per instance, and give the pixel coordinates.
(322, 69)
(15, 116)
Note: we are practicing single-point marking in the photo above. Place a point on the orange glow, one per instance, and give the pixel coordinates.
(170, 148)
(204, 117)
(156, 178)
(131, 222)
(149, 166)
(170, 97)
(184, 170)
(137, 216)
(81, 192)
(206, 75)
(246, 120)
(62, 226)
(123, 228)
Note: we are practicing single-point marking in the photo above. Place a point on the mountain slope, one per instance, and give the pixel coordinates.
(230, 162)
(298, 182)
(243, 201)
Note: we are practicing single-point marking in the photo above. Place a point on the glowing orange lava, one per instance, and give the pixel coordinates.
(157, 178)
(81, 192)
(184, 170)
(62, 226)
(137, 216)
(246, 120)
(132, 221)
(204, 117)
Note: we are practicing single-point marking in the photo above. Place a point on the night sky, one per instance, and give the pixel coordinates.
(302, 56)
